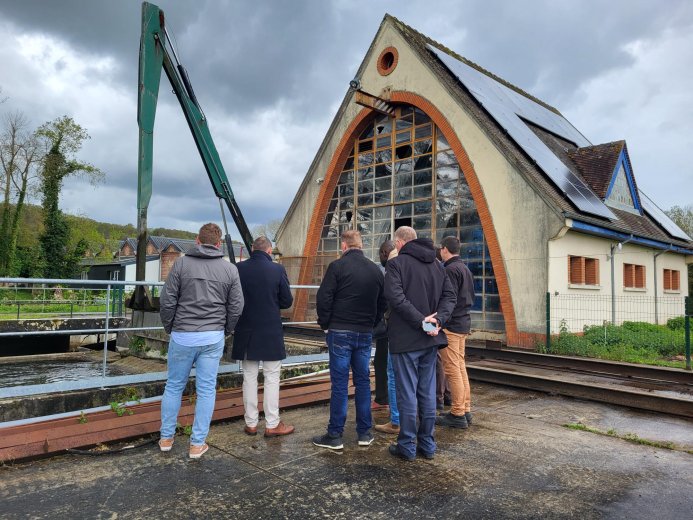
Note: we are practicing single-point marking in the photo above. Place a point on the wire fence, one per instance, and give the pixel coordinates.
(641, 329)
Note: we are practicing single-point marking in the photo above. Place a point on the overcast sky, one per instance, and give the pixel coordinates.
(270, 76)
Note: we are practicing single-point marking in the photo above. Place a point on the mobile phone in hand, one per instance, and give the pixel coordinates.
(427, 326)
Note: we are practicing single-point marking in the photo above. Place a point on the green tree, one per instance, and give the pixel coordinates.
(64, 138)
(19, 159)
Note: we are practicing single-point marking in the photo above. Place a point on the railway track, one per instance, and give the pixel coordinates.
(657, 389)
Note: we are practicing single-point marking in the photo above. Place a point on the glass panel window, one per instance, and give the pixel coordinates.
(403, 137)
(392, 165)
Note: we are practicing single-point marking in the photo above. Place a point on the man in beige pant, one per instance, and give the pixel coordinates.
(456, 329)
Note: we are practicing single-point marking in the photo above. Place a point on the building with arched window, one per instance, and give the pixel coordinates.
(430, 140)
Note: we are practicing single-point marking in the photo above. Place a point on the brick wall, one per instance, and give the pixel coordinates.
(167, 259)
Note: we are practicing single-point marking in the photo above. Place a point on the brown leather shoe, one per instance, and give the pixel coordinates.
(281, 429)
(387, 428)
(250, 430)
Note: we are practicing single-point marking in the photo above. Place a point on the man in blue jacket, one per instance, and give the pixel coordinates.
(350, 303)
(420, 299)
(259, 335)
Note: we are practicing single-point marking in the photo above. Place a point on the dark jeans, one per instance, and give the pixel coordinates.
(416, 398)
(380, 366)
(349, 349)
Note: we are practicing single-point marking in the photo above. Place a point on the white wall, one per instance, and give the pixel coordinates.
(591, 305)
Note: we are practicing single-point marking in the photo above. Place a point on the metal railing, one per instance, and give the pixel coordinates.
(109, 288)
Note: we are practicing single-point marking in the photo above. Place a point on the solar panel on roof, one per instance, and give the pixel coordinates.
(507, 107)
(662, 218)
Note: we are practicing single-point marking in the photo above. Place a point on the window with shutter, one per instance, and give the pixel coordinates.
(634, 276)
(639, 276)
(667, 279)
(583, 271)
(672, 279)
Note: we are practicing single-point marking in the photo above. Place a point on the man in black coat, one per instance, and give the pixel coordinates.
(350, 303)
(259, 335)
(457, 328)
(420, 299)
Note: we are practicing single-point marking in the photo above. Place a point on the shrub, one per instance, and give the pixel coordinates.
(677, 323)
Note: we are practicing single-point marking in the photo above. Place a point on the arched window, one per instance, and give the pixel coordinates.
(402, 172)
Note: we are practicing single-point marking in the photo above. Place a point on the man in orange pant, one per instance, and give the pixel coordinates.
(457, 329)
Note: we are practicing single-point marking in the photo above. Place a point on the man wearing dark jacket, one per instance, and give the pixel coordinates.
(420, 300)
(259, 335)
(457, 328)
(200, 304)
(350, 303)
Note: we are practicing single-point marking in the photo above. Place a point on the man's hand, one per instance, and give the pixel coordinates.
(432, 319)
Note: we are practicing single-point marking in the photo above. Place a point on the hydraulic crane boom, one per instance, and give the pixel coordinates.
(156, 51)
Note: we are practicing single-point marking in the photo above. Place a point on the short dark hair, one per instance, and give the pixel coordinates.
(209, 234)
(452, 244)
(385, 249)
(261, 243)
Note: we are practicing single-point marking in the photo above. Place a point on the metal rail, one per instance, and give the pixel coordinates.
(596, 366)
(589, 391)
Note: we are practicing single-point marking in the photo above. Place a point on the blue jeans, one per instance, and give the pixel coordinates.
(415, 374)
(391, 392)
(180, 361)
(349, 349)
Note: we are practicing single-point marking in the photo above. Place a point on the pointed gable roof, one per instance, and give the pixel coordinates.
(596, 164)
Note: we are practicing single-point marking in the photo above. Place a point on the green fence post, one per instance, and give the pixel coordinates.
(548, 322)
(687, 322)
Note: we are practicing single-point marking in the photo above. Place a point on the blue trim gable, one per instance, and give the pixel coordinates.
(608, 233)
(623, 160)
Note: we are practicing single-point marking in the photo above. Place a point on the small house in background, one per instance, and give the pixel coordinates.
(428, 139)
(161, 253)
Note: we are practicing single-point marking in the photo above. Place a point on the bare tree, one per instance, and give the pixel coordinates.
(20, 155)
(268, 229)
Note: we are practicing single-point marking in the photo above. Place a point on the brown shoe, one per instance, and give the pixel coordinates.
(197, 451)
(250, 430)
(281, 429)
(387, 428)
(165, 444)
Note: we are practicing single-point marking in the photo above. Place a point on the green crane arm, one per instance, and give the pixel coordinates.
(156, 52)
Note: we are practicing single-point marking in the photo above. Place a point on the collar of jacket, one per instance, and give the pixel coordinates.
(352, 250)
(260, 255)
(455, 258)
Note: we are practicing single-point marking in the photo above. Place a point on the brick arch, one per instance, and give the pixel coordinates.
(334, 170)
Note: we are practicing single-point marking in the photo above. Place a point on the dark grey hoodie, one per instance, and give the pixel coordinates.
(202, 293)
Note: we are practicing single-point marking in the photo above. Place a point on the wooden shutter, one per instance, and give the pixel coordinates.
(591, 271)
(639, 276)
(576, 272)
(675, 280)
(667, 279)
(628, 278)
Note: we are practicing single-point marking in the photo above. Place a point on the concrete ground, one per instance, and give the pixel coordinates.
(516, 461)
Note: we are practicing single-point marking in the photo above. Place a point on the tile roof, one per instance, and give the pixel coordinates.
(181, 244)
(596, 164)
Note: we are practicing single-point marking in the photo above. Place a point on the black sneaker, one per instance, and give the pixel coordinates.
(365, 439)
(453, 421)
(424, 454)
(329, 442)
(468, 416)
(395, 452)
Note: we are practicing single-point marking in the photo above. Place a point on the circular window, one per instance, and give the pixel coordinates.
(387, 61)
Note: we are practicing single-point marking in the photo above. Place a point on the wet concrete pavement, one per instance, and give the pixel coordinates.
(516, 461)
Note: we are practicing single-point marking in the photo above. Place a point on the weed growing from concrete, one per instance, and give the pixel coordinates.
(629, 437)
(82, 418)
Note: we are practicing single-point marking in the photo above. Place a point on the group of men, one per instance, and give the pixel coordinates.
(427, 307)
(418, 304)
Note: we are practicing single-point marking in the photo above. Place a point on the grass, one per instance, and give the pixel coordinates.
(629, 437)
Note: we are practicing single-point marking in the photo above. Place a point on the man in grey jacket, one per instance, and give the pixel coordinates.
(200, 305)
